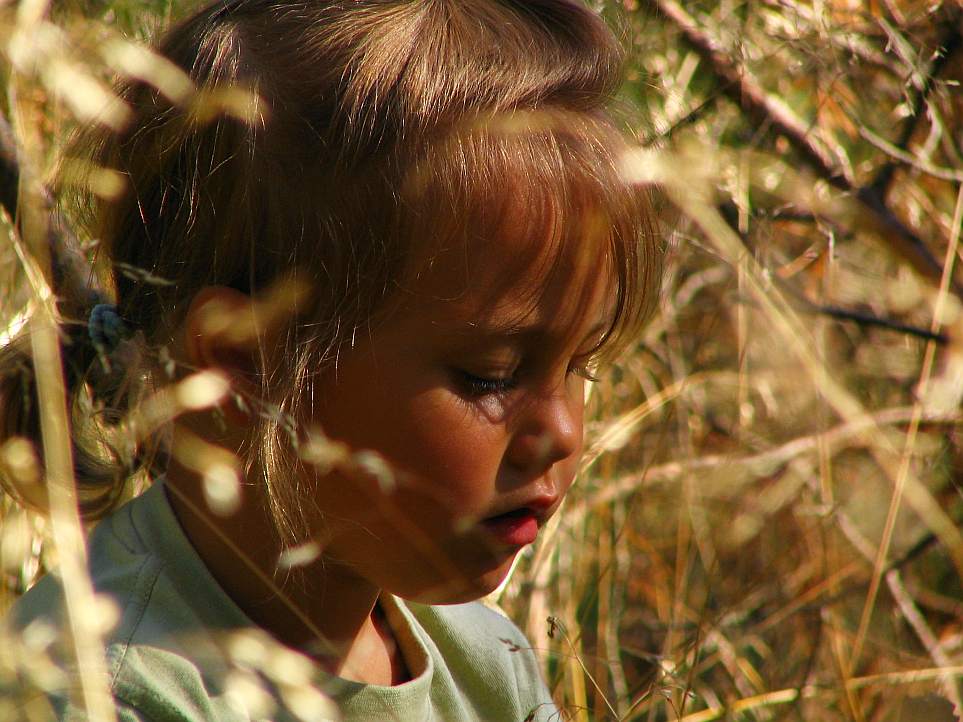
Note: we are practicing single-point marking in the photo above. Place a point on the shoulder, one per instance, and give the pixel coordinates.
(114, 566)
(123, 575)
(475, 624)
(163, 659)
(482, 646)
(135, 576)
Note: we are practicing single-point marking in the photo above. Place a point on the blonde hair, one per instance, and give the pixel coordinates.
(383, 129)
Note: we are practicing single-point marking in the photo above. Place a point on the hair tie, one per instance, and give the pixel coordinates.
(106, 328)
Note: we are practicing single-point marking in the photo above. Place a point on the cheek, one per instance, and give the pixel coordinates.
(567, 468)
(453, 448)
(446, 454)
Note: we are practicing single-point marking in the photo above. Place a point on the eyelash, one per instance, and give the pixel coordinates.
(482, 386)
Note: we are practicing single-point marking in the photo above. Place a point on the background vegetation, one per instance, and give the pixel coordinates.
(767, 525)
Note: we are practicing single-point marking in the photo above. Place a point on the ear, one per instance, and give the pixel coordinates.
(220, 333)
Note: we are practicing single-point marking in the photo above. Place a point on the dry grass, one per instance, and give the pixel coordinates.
(768, 521)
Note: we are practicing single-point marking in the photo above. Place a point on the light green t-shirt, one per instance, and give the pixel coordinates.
(182, 650)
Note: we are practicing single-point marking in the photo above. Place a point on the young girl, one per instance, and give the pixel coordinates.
(398, 228)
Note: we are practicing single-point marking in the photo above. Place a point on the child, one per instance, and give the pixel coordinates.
(438, 181)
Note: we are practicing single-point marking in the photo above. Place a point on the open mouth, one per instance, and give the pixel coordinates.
(514, 528)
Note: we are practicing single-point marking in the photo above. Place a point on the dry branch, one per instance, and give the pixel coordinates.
(761, 106)
(764, 109)
(805, 305)
(764, 463)
(949, 43)
(922, 628)
(862, 318)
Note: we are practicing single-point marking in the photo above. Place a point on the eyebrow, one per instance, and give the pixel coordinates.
(525, 332)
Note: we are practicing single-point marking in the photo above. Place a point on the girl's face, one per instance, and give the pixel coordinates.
(473, 390)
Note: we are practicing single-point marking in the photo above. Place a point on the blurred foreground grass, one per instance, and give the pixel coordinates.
(767, 524)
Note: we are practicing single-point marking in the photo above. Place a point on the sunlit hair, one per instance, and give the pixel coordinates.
(375, 132)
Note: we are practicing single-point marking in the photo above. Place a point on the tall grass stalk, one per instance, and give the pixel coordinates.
(85, 613)
(767, 519)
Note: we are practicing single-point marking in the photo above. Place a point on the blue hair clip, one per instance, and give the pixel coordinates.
(106, 328)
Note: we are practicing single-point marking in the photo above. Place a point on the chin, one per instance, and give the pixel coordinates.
(461, 590)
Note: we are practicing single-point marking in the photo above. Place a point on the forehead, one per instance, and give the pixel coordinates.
(512, 220)
(515, 283)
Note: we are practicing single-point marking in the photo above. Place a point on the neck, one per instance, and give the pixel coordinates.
(323, 608)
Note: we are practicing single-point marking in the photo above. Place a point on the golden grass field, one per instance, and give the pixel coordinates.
(769, 520)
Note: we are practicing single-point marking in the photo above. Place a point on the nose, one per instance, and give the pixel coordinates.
(549, 428)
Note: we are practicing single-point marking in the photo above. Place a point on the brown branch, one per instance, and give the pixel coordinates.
(803, 304)
(862, 318)
(949, 43)
(765, 109)
(690, 118)
(742, 90)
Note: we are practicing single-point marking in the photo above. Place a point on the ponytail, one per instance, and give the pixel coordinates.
(97, 363)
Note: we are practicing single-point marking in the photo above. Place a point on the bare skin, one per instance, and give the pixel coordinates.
(474, 392)
(357, 641)
(345, 630)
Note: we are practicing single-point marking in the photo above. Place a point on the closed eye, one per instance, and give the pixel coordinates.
(477, 386)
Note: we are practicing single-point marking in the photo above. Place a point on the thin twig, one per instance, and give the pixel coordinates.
(751, 97)
(863, 318)
(763, 108)
(904, 157)
(765, 463)
(914, 618)
(903, 472)
(575, 655)
(948, 44)
(690, 118)
(786, 696)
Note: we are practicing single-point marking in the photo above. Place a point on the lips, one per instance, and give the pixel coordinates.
(515, 528)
